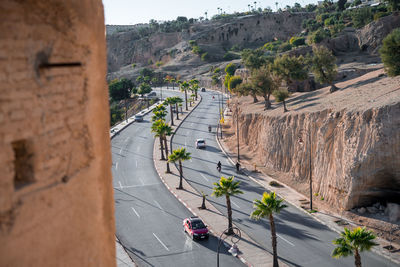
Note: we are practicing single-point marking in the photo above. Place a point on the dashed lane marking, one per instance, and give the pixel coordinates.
(137, 214)
(290, 243)
(235, 204)
(205, 178)
(160, 241)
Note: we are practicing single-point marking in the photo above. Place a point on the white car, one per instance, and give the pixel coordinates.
(200, 143)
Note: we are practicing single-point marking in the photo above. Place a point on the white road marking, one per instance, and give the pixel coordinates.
(120, 185)
(185, 142)
(120, 151)
(191, 160)
(141, 181)
(137, 214)
(285, 240)
(116, 166)
(136, 163)
(204, 177)
(158, 205)
(160, 241)
(235, 204)
(138, 148)
(139, 185)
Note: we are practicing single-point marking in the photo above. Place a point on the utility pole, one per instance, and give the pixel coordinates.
(237, 132)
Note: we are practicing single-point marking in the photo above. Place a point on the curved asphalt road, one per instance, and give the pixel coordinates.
(148, 217)
(302, 241)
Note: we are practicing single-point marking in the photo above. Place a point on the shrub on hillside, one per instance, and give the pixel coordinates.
(390, 53)
(297, 41)
(361, 17)
(230, 56)
(317, 36)
(285, 47)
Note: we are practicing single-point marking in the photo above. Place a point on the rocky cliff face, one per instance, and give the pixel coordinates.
(353, 139)
(214, 37)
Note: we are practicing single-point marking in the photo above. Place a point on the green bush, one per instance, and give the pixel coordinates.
(197, 50)
(230, 69)
(230, 56)
(317, 36)
(217, 70)
(272, 46)
(361, 17)
(297, 41)
(285, 47)
(192, 43)
(234, 81)
(390, 53)
(379, 15)
(205, 56)
(115, 114)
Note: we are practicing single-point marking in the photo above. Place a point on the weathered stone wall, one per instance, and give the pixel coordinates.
(56, 198)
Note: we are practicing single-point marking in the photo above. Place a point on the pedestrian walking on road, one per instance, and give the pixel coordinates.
(237, 166)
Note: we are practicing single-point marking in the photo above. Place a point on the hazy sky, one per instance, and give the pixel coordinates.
(125, 12)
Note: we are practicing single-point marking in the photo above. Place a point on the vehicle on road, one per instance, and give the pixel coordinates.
(151, 94)
(203, 89)
(138, 117)
(200, 143)
(195, 227)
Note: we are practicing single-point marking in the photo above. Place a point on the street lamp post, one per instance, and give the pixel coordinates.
(309, 163)
(234, 249)
(237, 132)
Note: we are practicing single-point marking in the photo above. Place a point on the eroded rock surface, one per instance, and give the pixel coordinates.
(352, 136)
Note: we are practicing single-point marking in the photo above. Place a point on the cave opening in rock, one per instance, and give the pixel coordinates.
(385, 188)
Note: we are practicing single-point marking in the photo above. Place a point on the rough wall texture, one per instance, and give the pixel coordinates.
(353, 138)
(56, 199)
(215, 37)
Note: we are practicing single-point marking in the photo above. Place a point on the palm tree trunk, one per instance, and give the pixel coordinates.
(186, 100)
(273, 237)
(172, 114)
(284, 106)
(357, 258)
(162, 148)
(177, 111)
(229, 207)
(166, 153)
(180, 175)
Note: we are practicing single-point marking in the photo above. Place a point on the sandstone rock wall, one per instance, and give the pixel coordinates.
(56, 196)
(355, 154)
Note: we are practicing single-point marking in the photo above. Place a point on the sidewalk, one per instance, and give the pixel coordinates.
(335, 222)
(250, 253)
(123, 259)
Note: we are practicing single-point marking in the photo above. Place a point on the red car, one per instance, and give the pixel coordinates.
(195, 227)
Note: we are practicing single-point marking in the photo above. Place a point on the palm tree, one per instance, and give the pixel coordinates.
(184, 87)
(227, 187)
(170, 101)
(205, 13)
(265, 208)
(157, 129)
(179, 155)
(167, 131)
(353, 242)
(276, 4)
(178, 100)
(194, 86)
(172, 80)
(159, 115)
